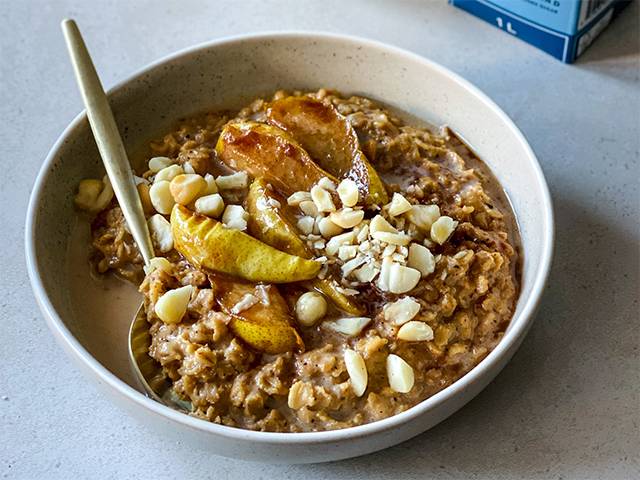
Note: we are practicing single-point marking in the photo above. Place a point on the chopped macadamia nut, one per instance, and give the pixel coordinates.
(351, 265)
(366, 273)
(401, 311)
(210, 205)
(233, 181)
(158, 263)
(322, 199)
(442, 229)
(348, 192)
(415, 332)
(161, 198)
(421, 259)
(392, 238)
(168, 173)
(212, 187)
(247, 301)
(309, 208)
(160, 230)
(400, 374)
(158, 163)
(172, 306)
(379, 224)
(188, 168)
(402, 279)
(347, 252)
(347, 218)
(327, 184)
(336, 242)
(296, 198)
(94, 195)
(423, 216)
(357, 370)
(185, 188)
(305, 225)
(349, 326)
(235, 216)
(398, 205)
(310, 307)
(327, 228)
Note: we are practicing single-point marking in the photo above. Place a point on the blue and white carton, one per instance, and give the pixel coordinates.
(562, 28)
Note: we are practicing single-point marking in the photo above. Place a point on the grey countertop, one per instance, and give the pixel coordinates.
(568, 404)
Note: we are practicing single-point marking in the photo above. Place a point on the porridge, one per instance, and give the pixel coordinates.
(320, 262)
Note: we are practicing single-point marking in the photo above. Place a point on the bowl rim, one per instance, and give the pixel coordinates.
(519, 324)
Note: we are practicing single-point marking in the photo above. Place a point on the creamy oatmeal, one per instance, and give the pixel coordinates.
(321, 264)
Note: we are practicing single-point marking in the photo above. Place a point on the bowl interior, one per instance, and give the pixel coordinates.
(228, 75)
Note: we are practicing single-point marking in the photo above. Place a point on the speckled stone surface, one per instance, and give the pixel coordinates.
(567, 406)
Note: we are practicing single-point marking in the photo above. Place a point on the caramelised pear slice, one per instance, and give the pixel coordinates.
(210, 244)
(330, 140)
(266, 151)
(271, 221)
(259, 315)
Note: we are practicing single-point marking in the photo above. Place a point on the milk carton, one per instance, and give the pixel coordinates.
(562, 28)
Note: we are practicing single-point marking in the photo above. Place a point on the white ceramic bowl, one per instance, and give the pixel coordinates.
(89, 318)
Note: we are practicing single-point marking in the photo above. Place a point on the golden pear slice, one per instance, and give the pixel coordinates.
(208, 243)
(259, 315)
(266, 151)
(271, 221)
(330, 140)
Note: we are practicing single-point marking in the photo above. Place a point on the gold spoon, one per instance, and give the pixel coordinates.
(105, 131)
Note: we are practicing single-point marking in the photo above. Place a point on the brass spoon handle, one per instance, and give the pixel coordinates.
(107, 136)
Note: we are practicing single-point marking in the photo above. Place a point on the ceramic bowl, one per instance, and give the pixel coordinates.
(89, 317)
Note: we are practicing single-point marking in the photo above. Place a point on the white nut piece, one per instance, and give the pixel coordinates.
(401, 311)
(347, 218)
(212, 187)
(399, 374)
(168, 173)
(322, 199)
(327, 184)
(158, 263)
(300, 395)
(210, 205)
(366, 273)
(305, 224)
(327, 228)
(415, 331)
(348, 192)
(309, 208)
(423, 216)
(158, 163)
(402, 279)
(185, 188)
(347, 252)
(161, 198)
(298, 197)
(379, 224)
(385, 271)
(172, 306)
(357, 370)
(392, 238)
(188, 168)
(336, 242)
(442, 229)
(310, 307)
(160, 230)
(94, 195)
(349, 326)
(421, 258)
(233, 181)
(235, 216)
(398, 205)
(351, 265)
